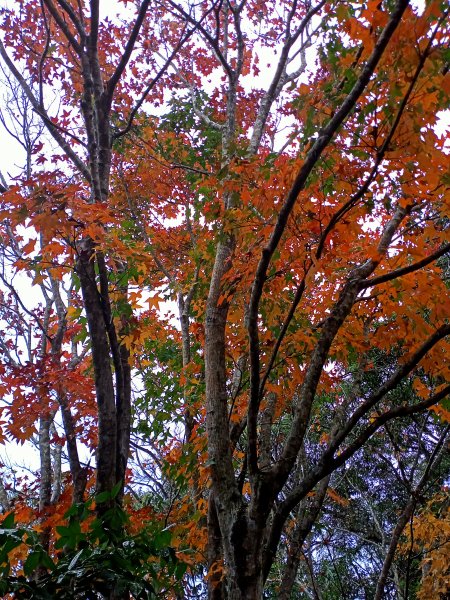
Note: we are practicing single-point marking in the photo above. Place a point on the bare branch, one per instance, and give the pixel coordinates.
(408, 512)
(208, 37)
(51, 127)
(280, 78)
(403, 371)
(152, 84)
(327, 464)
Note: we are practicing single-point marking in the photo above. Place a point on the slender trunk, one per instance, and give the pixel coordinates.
(301, 531)
(5, 504)
(57, 470)
(183, 313)
(45, 488)
(239, 547)
(123, 417)
(79, 475)
(401, 524)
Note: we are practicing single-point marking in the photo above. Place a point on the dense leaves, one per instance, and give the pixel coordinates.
(93, 558)
(223, 284)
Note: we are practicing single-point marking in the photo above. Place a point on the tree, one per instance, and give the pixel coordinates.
(274, 169)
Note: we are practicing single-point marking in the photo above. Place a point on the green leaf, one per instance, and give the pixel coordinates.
(32, 562)
(163, 539)
(103, 497)
(116, 489)
(8, 521)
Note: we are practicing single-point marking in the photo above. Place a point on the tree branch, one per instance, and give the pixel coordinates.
(405, 270)
(74, 18)
(63, 26)
(310, 161)
(111, 84)
(51, 127)
(407, 513)
(327, 464)
(151, 85)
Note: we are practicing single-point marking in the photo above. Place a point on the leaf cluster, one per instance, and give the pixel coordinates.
(94, 556)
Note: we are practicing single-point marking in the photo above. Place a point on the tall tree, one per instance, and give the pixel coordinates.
(274, 169)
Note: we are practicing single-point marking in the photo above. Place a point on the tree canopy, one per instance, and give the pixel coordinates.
(224, 299)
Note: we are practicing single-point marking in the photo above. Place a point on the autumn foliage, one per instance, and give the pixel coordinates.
(224, 301)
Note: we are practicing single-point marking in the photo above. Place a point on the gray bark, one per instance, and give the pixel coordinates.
(4, 500)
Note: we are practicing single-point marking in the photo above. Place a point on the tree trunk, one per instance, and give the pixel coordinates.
(107, 422)
(79, 475)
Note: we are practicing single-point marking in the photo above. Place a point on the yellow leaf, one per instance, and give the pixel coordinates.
(154, 301)
(38, 279)
(341, 12)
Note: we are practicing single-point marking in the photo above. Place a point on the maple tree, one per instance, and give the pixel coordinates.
(237, 220)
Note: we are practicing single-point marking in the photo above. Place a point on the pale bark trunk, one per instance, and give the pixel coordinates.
(45, 487)
(4, 500)
(56, 452)
(183, 314)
